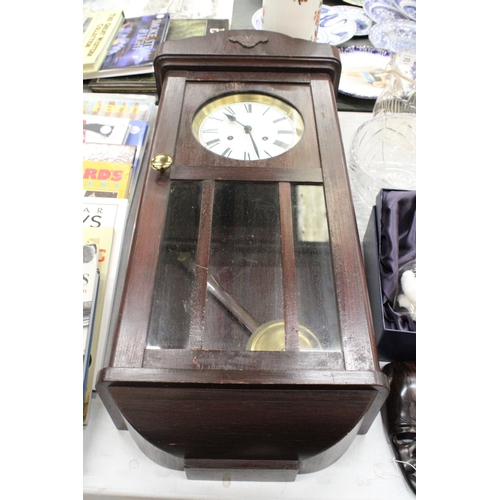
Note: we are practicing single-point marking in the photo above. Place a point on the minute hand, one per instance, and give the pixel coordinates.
(249, 132)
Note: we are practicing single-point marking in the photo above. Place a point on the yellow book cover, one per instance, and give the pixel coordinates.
(98, 38)
(107, 169)
(108, 179)
(102, 237)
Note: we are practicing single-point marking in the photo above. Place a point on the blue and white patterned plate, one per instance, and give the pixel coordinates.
(358, 15)
(334, 27)
(407, 7)
(363, 70)
(383, 10)
(394, 35)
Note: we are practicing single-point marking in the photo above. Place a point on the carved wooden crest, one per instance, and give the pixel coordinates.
(248, 41)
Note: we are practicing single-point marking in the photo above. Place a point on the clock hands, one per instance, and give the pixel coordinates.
(234, 119)
(248, 130)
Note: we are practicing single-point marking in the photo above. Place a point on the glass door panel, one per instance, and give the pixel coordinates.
(245, 262)
(170, 313)
(245, 266)
(317, 305)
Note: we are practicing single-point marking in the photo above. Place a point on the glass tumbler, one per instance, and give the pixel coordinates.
(400, 93)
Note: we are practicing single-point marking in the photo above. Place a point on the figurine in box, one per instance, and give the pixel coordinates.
(406, 298)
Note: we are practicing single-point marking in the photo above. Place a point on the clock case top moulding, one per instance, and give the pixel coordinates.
(233, 413)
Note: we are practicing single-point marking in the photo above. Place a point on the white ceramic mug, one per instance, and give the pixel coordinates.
(297, 18)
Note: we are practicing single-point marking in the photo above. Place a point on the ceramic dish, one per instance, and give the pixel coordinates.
(334, 28)
(363, 70)
(394, 35)
(383, 10)
(408, 7)
(358, 15)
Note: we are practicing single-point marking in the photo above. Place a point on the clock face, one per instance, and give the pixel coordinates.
(248, 126)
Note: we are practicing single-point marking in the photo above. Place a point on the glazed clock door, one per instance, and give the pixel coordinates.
(244, 261)
(245, 257)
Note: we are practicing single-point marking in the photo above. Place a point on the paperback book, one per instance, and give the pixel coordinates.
(139, 84)
(137, 112)
(145, 83)
(90, 292)
(107, 169)
(133, 49)
(98, 37)
(102, 238)
(105, 129)
(137, 136)
(109, 130)
(104, 222)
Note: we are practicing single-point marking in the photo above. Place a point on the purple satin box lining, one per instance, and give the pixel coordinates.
(388, 244)
(397, 248)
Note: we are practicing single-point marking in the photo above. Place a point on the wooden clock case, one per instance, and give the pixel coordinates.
(201, 402)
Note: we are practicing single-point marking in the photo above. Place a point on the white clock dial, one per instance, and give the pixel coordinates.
(248, 127)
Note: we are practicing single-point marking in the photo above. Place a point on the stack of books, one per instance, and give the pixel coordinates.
(117, 129)
(118, 74)
(115, 46)
(116, 136)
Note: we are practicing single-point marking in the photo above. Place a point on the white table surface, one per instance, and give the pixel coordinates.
(115, 468)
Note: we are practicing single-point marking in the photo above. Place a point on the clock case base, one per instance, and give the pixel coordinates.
(239, 415)
(220, 430)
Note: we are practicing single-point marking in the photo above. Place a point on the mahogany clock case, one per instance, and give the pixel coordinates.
(181, 376)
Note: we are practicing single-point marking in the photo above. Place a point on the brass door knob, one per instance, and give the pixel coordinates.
(161, 162)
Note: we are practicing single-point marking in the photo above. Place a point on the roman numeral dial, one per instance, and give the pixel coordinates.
(248, 127)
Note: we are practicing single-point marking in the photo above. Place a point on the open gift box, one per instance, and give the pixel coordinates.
(388, 245)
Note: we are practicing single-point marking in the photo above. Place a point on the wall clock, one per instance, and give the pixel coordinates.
(244, 344)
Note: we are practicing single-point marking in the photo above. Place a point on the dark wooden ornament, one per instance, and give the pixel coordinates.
(216, 250)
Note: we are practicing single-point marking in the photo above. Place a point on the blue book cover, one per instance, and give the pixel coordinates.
(137, 136)
(134, 47)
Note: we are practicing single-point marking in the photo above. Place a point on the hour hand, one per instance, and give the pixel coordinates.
(232, 118)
